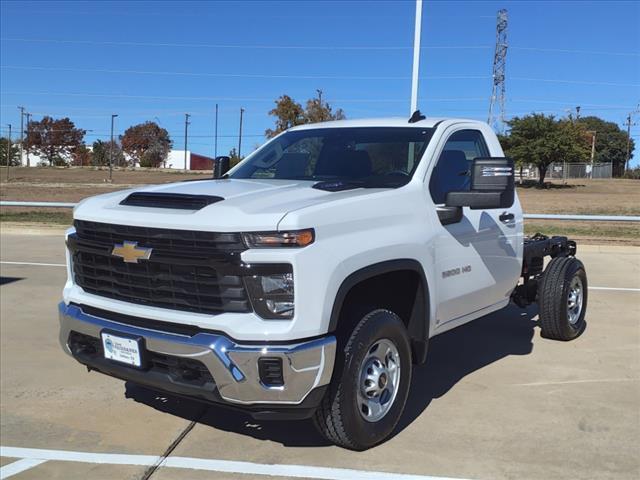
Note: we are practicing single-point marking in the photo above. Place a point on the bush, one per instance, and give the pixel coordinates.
(633, 174)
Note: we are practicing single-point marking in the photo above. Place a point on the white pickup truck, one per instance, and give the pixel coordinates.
(308, 280)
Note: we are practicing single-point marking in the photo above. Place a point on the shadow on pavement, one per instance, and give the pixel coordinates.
(452, 356)
(7, 280)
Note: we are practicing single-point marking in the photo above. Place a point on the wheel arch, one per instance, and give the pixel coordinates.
(417, 322)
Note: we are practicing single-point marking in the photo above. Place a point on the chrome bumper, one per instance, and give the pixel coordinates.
(234, 367)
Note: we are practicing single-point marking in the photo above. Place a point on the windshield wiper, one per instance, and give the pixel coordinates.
(341, 185)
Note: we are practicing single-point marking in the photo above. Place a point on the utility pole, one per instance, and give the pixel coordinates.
(186, 130)
(9, 152)
(113, 116)
(416, 58)
(319, 97)
(21, 132)
(240, 133)
(215, 141)
(28, 123)
(499, 76)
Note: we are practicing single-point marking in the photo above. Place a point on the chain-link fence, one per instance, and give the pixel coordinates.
(563, 171)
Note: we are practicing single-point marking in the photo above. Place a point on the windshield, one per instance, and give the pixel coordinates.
(364, 156)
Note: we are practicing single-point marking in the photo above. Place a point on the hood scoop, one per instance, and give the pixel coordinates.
(179, 201)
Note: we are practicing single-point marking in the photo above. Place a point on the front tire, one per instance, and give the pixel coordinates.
(563, 299)
(370, 386)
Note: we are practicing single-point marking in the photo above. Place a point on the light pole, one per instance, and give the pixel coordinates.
(9, 152)
(186, 128)
(416, 57)
(21, 133)
(240, 133)
(593, 149)
(113, 116)
(28, 124)
(215, 140)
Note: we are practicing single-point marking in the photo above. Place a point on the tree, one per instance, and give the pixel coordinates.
(54, 140)
(234, 158)
(290, 113)
(82, 156)
(147, 144)
(102, 150)
(542, 140)
(319, 111)
(611, 142)
(4, 152)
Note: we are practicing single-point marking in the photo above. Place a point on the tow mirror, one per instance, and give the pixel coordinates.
(221, 165)
(492, 185)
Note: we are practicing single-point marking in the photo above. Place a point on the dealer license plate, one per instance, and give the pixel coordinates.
(121, 349)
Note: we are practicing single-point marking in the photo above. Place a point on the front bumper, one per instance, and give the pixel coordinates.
(306, 366)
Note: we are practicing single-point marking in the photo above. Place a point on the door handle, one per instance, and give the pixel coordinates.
(506, 217)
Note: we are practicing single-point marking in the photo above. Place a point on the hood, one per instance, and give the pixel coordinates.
(246, 205)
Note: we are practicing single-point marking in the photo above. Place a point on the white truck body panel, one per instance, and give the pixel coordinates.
(354, 229)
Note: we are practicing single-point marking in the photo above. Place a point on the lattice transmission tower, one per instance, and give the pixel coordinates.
(496, 107)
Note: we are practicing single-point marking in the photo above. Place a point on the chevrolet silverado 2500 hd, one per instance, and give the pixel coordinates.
(308, 280)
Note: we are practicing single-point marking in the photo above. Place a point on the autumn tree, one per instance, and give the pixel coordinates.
(13, 156)
(54, 140)
(82, 156)
(147, 144)
(289, 113)
(611, 142)
(320, 111)
(102, 150)
(542, 140)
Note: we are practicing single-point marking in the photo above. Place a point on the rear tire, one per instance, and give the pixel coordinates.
(370, 385)
(562, 299)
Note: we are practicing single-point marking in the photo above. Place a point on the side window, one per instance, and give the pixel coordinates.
(451, 171)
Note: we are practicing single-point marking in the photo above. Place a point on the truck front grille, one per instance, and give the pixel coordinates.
(188, 270)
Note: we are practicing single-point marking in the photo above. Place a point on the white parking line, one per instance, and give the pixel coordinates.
(225, 466)
(19, 466)
(616, 289)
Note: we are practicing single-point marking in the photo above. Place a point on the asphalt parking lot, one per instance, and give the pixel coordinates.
(494, 401)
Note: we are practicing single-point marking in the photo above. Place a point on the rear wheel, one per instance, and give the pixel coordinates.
(562, 298)
(370, 385)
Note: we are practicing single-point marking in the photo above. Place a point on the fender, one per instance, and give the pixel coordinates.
(418, 327)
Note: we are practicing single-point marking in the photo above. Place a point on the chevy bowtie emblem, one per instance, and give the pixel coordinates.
(130, 252)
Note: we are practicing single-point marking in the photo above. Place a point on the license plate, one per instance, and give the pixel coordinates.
(122, 349)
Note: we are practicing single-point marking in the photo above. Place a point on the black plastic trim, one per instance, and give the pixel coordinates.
(179, 201)
(418, 324)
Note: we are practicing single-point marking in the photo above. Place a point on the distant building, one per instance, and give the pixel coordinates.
(175, 160)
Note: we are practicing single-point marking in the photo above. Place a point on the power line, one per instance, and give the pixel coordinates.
(240, 46)
(310, 77)
(239, 75)
(313, 47)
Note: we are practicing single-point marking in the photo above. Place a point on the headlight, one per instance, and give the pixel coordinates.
(295, 238)
(272, 295)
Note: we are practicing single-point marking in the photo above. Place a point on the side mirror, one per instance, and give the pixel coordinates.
(221, 165)
(492, 185)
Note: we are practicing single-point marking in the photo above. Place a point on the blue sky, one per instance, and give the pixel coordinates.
(159, 60)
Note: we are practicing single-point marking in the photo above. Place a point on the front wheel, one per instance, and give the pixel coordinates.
(369, 389)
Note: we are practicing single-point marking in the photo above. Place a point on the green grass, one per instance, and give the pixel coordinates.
(38, 216)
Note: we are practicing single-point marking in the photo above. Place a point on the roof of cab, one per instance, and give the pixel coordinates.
(429, 122)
